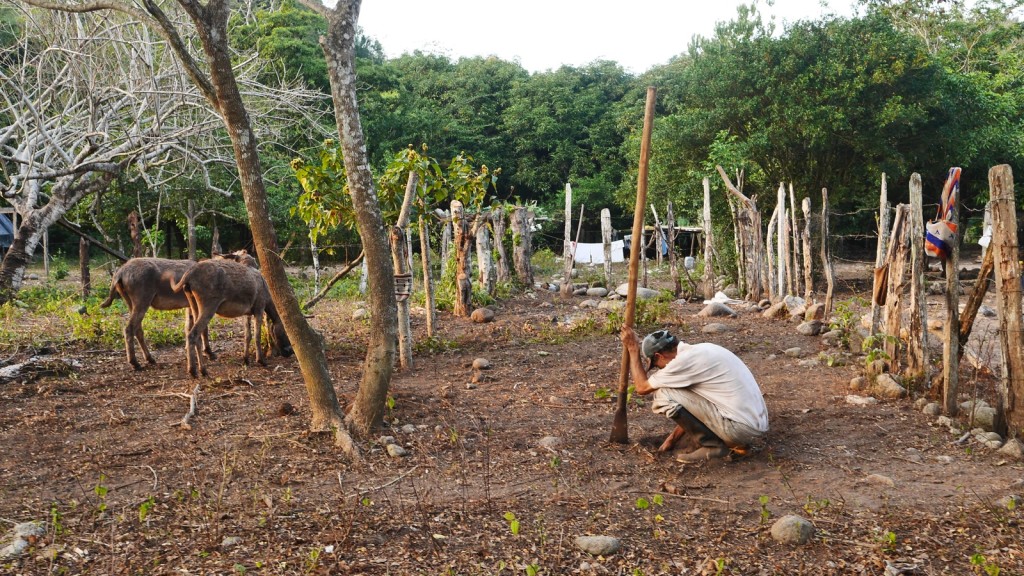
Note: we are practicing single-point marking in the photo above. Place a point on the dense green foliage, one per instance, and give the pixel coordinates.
(905, 86)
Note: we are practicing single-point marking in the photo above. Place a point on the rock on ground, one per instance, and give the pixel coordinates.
(716, 328)
(715, 309)
(482, 315)
(792, 529)
(598, 545)
(887, 387)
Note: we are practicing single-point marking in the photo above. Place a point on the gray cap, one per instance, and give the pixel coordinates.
(656, 342)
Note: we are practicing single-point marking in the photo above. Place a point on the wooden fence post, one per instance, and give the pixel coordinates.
(400, 260)
(606, 239)
(484, 264)
(566, 288)
(428, 279)
(773, 285)
(709, 272)
(780, 237)
(917, 351)
(522, 248)
(461, 240)
(499, 224)
(673, 268)
(805, 206)
(826, 254)
(795, 233)
(1004, 244)
(951, 340)
(881, 251)
(897, 261)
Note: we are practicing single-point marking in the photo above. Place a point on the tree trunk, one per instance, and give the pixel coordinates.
(339, 49)
(780, 237)
(83, 266)
(773, 285)
(428, 279)
(795, 234)
(897, 261)
(133, 231)
(566, 288)
(215, 247)
(463, 287)
(400, 260)
(499, 224)
(446, 239)
(522, 249)
(1004, 245)
(190, 218)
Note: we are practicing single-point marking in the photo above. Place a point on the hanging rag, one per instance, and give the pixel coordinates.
(940, 233)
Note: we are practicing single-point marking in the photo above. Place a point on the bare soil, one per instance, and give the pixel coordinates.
(100, 457)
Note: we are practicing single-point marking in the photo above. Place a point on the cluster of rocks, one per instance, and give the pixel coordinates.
(597, 296)
(19, 538)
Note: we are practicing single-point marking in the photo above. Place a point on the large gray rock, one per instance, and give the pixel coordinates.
(597, 292)
(716, 328)
(794, 303)
(598, 545)
(641, 292)
(1013, 449)
(792, 529)
(984, 417)
(815, 312)
(812, 328)
(716, 309)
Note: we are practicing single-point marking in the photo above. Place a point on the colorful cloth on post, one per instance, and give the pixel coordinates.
(940, 234)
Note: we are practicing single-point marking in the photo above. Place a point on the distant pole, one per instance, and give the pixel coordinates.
(780, 237)
(808, 263)
(606, 239)
(566, 289)
(881, 250)
(709, 276)
(826, 254)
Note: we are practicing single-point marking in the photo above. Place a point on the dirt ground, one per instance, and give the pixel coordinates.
(99, 457)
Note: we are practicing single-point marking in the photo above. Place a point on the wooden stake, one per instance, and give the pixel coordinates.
(606, 239)
(917, 351)
(881, 250)
(773, 285)
(620, 431)
(897, 261)
(428, 279)
(566, 289)
(808, 263)
(826, 254)
(1008, 293)
(780, 237)
(951, 340)
(795, 232)
(673, 267)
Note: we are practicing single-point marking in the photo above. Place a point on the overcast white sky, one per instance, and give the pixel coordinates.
(544, 34)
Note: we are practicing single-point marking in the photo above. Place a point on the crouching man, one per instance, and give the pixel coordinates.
(704, 388)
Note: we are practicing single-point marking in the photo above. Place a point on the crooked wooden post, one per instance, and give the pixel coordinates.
(780, 237)
(951, 340)
(709, 273)
(795, 233)
(428, 279)
(1008, 294)
(499, 224)
(826, 254)
(566, 288)
(400, 260)
(917, 351)
(881, 251)
(673, 267)
(461, 241)
(773, 284)
(484, 262)
(522, 246)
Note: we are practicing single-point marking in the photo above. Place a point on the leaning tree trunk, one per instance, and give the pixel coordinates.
(221, 89)
(339, 49)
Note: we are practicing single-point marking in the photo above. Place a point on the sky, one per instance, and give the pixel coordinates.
(545, 34)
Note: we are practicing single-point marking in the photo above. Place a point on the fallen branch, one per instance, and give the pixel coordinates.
(382, 486)
(330, 283)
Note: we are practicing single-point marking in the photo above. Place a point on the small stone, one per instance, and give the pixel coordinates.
(385, 440)
(945, 421)
(396, 451)
(360, 313)
(590, 303)
(880, 480)
(715, 328)
(408, 429)
(984, 417)
(598, 545)
(989, 437)
(932, 409)
(794, 352)
(1013, 449)
(858, 383)
(471, 386)
(481, 364)
(812, 328)
(920, 403)
(611, 305)
(986, 311)
(597, 292)
(579, 292)
(832, 337)
(230, 541)
(482, 315)
(715, 309)
(731, 291)
(809, 362)
(549, 442)
(860, 400)
(792, 529)
(33, 276)
(944, 459)
(794, 304)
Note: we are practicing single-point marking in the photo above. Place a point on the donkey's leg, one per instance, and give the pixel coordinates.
(258, 321)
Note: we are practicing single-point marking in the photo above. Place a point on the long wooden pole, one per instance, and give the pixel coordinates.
(620, 431)
(1010, 410)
